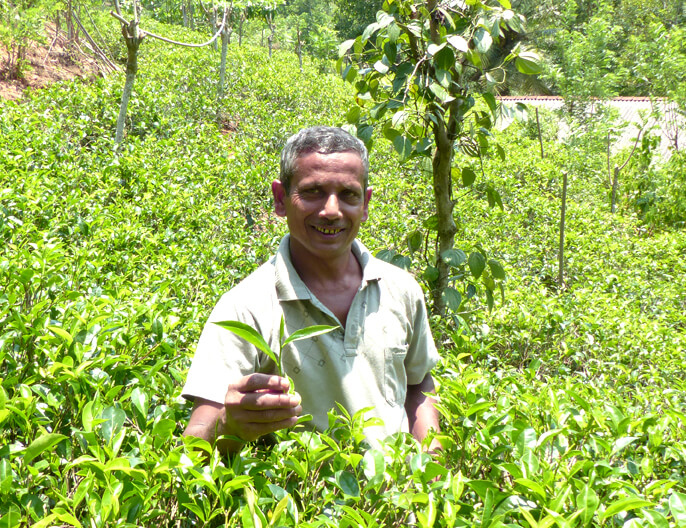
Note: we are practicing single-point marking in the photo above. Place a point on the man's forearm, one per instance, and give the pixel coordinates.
(206, 423)
(422, 415)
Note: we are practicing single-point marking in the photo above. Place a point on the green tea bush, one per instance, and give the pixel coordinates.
(559, 407)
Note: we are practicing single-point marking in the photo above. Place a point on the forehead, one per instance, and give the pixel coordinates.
(314, 167)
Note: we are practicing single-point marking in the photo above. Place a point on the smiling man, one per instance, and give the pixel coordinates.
(381, 355)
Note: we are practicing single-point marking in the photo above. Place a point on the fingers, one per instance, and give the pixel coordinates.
(259, 404)
(262, 382)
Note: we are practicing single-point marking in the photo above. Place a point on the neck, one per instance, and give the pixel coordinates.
(315, 271)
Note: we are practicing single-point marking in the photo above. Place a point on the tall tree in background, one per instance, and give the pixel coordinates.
(424, 64)
(355, 15)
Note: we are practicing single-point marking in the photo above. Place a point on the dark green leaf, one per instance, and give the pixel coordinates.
(386, 255)
(391, 51)
(452, 298)
(393, 32)
(489, 299)
(476, 263)
(445, 59)
(497, 269)
(414, 241)
(454, 257)
(490, 101)
(431, 274)
(403, 147)
(347, 483)
(468, 176)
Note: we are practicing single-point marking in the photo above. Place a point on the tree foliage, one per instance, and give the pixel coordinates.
(418, 72)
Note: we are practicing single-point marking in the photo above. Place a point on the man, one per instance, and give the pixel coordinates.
(381, 355)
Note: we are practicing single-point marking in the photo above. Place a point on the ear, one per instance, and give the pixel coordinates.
(367, 198)
(279, 193)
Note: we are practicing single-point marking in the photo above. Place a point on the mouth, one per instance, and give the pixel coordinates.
(327, 230)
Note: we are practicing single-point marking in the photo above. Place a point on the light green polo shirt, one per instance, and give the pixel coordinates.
(385, 346)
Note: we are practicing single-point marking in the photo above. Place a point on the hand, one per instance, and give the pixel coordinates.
(256, 405)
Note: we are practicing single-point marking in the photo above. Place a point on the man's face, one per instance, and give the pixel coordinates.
(326, 205)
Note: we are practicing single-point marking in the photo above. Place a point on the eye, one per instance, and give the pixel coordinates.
(350, 196)
(310, 192)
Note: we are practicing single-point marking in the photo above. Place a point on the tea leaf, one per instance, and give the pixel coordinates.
(41, 444)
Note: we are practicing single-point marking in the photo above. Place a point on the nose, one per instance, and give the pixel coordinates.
(331, 208)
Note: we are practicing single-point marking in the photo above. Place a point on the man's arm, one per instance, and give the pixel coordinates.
(421, 413)
(257, 405)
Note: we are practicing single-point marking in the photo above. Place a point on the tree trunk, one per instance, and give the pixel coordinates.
(213, 24)
(133, 41)
(540, 137)
(561, 249)
(222, 74)
(299, 50)
(615, 184)
(240, 30)
(442, 186)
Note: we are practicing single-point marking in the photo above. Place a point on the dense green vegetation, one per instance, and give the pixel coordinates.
(562, 406)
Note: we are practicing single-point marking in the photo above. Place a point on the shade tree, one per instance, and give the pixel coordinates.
(423, 78)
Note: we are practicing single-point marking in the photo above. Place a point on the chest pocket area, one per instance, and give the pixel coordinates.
(395, 377)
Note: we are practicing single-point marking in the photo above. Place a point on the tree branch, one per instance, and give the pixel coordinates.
(164, 39)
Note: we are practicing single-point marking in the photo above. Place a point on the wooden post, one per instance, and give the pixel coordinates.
(540, 137)
(563, 212)
(133, 38)
(615, 184)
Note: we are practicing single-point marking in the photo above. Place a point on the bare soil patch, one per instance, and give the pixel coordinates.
(50, 62)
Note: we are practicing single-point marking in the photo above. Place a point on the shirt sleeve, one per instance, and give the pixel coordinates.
(422, 355)
(221, 357)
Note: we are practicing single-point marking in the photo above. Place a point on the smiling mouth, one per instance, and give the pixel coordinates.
(328, 230)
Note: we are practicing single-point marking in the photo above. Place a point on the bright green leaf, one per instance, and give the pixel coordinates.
(61, 332)
(587, 501)
(677, 506)
(41, 444)
(459, 43)
(528, 63)
(310, 331)
(626, 504)
(251, 335)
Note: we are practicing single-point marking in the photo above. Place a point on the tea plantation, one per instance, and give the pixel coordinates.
(560, 406)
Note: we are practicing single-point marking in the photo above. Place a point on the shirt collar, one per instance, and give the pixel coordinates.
(289, 285)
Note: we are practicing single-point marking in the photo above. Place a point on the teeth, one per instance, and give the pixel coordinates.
(327, 231)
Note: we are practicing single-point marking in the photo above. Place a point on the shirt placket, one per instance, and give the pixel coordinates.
(353, 327)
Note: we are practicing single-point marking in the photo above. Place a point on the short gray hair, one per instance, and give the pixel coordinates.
(323, 140)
